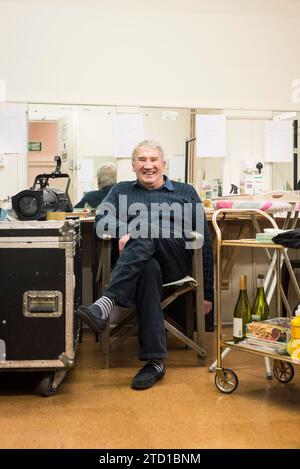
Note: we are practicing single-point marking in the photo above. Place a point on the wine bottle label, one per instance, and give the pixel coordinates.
(237, 327)
(255, 317)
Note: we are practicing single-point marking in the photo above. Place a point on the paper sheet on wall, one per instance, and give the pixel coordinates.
(87, 170)
(128, 132)
(2, 91)
(279, 141)
(176, 167)
(13, 129)
(210, 136)
(87, 174)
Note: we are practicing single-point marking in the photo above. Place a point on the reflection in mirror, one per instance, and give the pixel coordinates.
(85, 138)
(245, 148)
(51, 131)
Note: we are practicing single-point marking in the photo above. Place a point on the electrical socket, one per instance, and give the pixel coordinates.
(1, 160)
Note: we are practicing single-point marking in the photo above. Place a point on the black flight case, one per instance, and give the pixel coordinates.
(40, 290)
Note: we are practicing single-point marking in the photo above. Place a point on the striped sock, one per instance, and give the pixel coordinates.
(158, 363)
(105, 304)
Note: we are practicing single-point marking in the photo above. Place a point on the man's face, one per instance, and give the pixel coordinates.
(149, 166)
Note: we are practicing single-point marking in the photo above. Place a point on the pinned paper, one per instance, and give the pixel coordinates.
(128, 132)
(2, 91)
(87, 170)
(279, 141)
(13, 129)
(210, 136)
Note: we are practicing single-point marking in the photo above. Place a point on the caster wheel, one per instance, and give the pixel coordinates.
(45, 386)
(283, 371)
(227, 383)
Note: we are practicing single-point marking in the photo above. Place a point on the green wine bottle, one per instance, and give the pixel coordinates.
(242, 312)
(260, 309)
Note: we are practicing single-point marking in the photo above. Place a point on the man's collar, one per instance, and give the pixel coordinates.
(166, 185)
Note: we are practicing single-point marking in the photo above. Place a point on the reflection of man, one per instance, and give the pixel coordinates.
(106, 178)
(147, 262)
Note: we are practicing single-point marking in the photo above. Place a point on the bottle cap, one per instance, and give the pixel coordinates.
(243, 282)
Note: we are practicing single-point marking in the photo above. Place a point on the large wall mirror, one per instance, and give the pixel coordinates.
(85, 138)
(245, 147)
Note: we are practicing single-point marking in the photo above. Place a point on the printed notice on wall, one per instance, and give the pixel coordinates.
(210, 136)
(87, 174)
(87, 169)
(279, 141)
(13, 129)
(128, 132)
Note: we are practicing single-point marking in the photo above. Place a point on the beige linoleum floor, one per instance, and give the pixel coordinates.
(96, 408)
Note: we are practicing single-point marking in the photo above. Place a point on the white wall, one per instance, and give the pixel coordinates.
(219, 54)
(192, 53)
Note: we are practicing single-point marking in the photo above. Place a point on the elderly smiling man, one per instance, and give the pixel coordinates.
(152, 217)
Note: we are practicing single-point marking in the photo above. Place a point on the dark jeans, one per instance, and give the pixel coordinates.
(137, 279)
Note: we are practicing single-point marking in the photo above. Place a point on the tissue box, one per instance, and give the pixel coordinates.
(272, 330)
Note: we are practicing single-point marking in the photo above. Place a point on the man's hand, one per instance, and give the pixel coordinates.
(207, 306)
(123, 241)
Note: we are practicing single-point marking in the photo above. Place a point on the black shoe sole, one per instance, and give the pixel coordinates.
(146, 384)
(84, 314)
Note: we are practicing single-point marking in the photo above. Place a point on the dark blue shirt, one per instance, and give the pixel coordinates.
(93, 198)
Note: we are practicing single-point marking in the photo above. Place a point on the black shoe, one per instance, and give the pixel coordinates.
(91, 316)
(148, 375)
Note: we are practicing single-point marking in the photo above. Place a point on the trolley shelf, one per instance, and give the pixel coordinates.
(245, 347)
(226, 379)
(249, 243)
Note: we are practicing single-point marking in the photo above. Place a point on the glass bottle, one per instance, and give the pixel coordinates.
(242, 312)
(260, 309)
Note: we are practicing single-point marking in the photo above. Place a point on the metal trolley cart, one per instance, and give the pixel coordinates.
(40, 289)
(226, 379)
